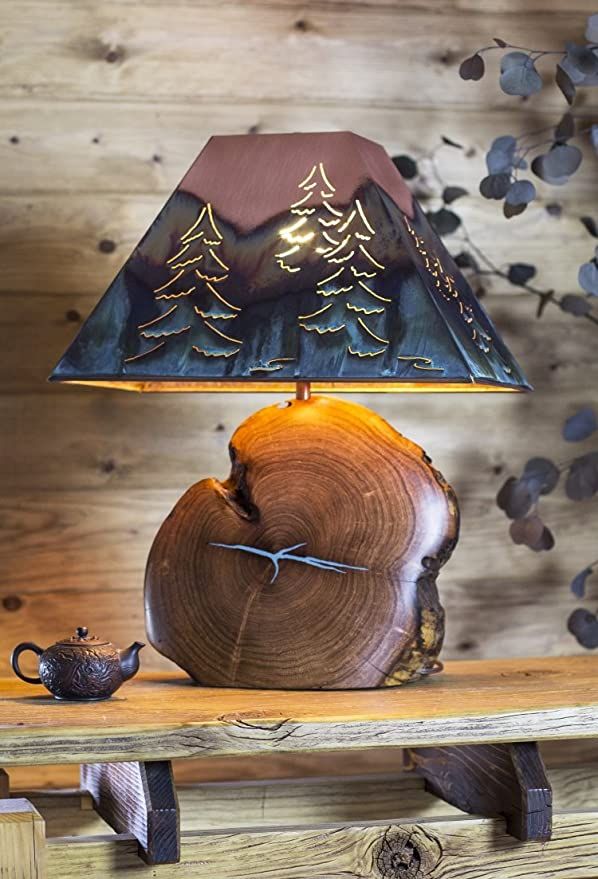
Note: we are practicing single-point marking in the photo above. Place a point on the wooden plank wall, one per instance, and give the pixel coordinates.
(102, 108)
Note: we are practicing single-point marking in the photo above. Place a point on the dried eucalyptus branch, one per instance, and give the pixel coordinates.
(446, 221)
(519, 498)
(555, 159)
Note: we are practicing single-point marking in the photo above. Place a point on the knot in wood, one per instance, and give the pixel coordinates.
(407, 853)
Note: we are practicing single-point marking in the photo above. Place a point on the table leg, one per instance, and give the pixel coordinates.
(138, 798)
(508, 780)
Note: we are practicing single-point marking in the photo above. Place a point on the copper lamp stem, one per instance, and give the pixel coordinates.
(303, 391)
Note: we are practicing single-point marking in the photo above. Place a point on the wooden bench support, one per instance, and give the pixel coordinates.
(508, 780)
(22, 840)
(426, 849)
(138, 798)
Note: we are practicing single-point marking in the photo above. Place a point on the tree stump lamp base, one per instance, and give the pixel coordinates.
(313, 566)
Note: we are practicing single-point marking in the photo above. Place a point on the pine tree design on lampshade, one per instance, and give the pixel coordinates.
(339, 238)
(193, 312)
(291, 257)
(445, 285)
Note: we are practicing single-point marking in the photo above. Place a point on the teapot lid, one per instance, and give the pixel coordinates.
(82, 638)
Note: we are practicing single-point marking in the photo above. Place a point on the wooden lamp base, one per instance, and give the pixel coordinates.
(314, 565)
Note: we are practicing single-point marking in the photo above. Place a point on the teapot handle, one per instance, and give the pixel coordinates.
(14, 660)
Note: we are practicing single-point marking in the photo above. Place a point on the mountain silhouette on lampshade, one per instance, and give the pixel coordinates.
(290, 257)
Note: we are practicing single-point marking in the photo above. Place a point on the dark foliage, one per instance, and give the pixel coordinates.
(576, 65)
(578, 583)
(443, 221)
(575, 304)
(553, 160)
(452, 193)
(582, 480)
(520, 273)
(472, 68)
(583, 625)
(407, 166)
(581, 425)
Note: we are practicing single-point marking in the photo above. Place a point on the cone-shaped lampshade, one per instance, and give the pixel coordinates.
(290, 257)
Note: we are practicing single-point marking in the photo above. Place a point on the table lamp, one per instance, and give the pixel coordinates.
(298, 262)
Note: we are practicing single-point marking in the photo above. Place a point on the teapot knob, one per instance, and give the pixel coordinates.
(82, 632)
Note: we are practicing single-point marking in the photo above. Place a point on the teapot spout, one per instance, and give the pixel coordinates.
(129, 660)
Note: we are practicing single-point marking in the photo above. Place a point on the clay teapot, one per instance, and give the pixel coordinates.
(82, 668)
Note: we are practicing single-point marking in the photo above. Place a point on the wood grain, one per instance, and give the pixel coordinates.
(412, 850)
(164, 717)
(507, 780)
(138, 798)
(132, 148)
(335, 482)
(364, 55)
(22, 841)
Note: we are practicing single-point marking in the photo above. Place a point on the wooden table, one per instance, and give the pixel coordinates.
(471, 736)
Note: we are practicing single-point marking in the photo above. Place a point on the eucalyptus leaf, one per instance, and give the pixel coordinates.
(540, 171)
(443, 221)
(588, 277)
(577, 77)
(500, 158)
(465, 260)
(495, 185)
(557, 165)
(521, 192)
(594, 136)
(449, 142)
(580, 426)
(472, 68)
(545, 541)
(527, 531)
(406, 166)
(575, 304)
(452, 193)
(565, 129)
(565, 83)
(519, 75)
(591, 29)
(511, 210)
(512, 60)
(515, 498)
(582, 479)
(578, 583)
(581, 58)
(520, 273)
(532, 532)
(590, 224)
(562, 160)
(541, 475)
(583, 625)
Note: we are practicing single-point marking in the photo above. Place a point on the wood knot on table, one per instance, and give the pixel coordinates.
(407, 852)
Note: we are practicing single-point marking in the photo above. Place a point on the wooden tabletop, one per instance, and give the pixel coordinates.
(166, 716)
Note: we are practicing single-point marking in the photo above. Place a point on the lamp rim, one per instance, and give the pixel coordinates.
(318, 385)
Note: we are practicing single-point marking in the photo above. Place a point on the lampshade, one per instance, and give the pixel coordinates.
(290, 257)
